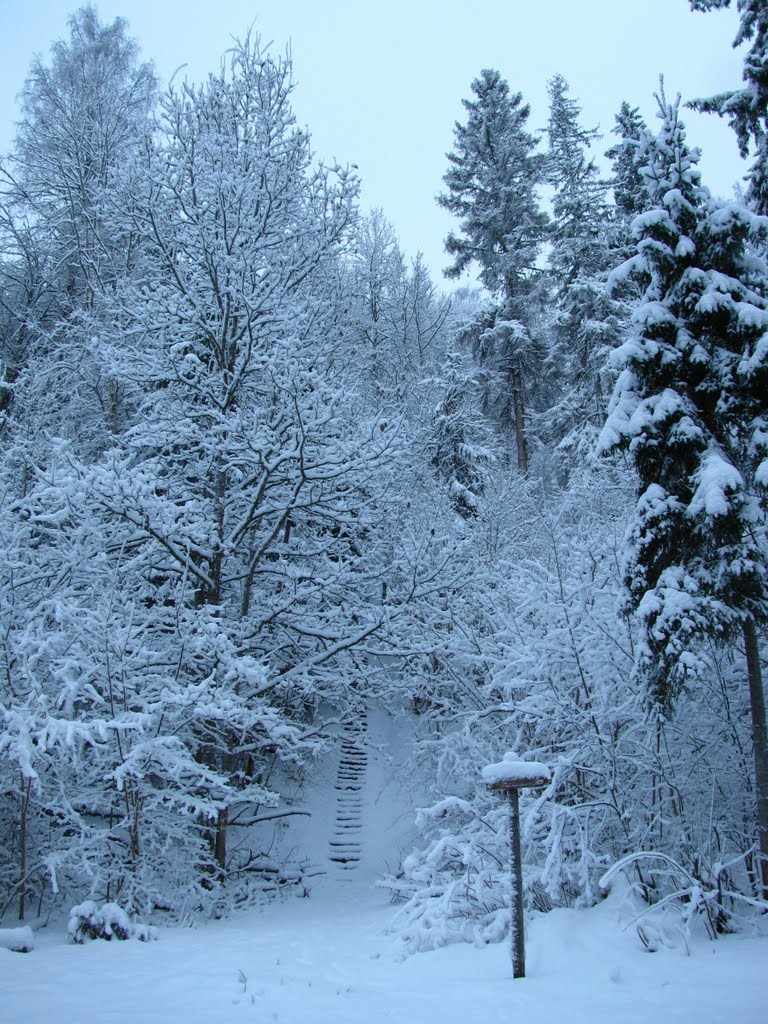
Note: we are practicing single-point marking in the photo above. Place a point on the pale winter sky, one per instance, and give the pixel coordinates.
(380, 84)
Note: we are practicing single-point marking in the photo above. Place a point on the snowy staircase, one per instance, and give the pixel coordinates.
(345, 846)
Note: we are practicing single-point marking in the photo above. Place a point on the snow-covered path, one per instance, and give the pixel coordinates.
(328, 960)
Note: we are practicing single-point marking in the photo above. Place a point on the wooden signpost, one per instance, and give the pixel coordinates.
(507, 778)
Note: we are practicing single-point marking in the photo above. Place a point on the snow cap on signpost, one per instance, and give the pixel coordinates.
(513, 773)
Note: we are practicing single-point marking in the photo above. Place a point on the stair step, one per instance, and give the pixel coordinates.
(345, 845)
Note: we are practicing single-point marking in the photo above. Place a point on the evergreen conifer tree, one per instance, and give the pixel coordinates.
(491, 187)
(629, 192)
(578, 203)
(690, 408)
(747, 108)
(586, 320)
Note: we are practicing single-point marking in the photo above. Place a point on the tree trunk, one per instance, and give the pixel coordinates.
(220, 843)
(760, 747)
(520, 438)
(24, 791)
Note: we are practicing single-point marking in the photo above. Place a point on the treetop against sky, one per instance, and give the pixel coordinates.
(381, 86)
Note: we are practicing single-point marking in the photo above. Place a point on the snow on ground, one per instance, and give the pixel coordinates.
(332, 958)
(328, 958)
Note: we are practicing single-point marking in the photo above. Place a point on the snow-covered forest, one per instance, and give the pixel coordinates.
(263, 481)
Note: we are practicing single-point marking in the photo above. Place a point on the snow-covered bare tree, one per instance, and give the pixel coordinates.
(82, 118)
(540, 663)
(399, 320)
(235, 564)
(84, 115)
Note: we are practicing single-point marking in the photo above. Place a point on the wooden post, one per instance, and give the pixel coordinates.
(507, 778)
(516, 923)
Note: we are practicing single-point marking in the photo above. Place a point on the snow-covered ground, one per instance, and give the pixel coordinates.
(329, 959)
(332, 957)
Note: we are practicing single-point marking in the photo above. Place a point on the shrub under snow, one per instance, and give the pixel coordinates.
(88, 920)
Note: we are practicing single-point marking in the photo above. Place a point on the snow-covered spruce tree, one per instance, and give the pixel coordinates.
(585, 320)
(578, 204)
(747, 109)
(460, 446)
(627, 182)
(491, 187)
(690, 408)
